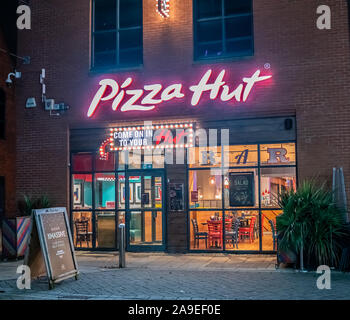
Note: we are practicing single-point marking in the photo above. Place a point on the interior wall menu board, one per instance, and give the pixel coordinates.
(242, 189)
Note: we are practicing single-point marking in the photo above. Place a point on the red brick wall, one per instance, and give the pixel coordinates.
(310, 67)
(8, 146)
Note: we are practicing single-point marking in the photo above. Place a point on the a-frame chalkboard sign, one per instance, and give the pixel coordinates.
(50, 251)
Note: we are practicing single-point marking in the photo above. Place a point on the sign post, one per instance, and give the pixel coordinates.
(51, 249)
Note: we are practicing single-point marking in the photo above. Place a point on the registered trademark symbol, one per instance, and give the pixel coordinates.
(267, 66)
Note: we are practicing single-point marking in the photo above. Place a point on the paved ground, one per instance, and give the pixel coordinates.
(162, 276)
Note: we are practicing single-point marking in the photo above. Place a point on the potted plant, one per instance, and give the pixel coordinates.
(311, 225)
(15, 231)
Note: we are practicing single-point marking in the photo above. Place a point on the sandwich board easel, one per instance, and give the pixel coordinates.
(50, 249)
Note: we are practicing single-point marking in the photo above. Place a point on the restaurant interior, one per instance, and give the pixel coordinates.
(222, 216)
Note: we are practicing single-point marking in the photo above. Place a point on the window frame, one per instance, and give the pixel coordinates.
(223, 210)
(117, 29)
(118, 211)
(225, 55)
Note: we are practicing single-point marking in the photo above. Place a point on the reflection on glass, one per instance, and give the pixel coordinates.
(242, 230)
(153, 159)
(105, 164)
(273, 182)
(134, 192)
(158, 192)
(206, 230)
(147, 199)
(205, 189)
(201, 157)
(82, 162)
(105, 229)
(122, 159)
(82, 191)
(82, 229)
(104, 190)
(240, 155)
(121, 220)
(134, 159)
(269, 242)
(121, 217)
(146, 228)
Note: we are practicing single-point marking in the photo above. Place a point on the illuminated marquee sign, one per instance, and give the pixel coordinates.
(148, 137)
(146, 99)
(163, 8)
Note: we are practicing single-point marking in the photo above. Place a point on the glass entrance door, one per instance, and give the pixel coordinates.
(145, 221)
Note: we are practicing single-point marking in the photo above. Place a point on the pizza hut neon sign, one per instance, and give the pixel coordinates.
(128, 99)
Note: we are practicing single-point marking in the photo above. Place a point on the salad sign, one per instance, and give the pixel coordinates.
(241, 189)
(124, 97)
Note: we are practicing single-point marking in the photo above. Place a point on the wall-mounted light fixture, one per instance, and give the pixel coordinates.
(163, 8)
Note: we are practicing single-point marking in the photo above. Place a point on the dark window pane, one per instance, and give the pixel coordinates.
(209, 31)
(131, 57)
(209, 50)
(237, 7)
(130, 13)
(105, 59)
(105, 164)
(241, 47)
(105, 42)
(238, 27)
(208, 8)
(110, 48)
(82, 162)
(105, 14)
(130, 39)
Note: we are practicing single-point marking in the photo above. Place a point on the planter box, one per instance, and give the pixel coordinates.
(283, 257)
(15, 233)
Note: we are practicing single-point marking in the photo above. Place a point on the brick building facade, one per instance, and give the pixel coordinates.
(310, 85)
(8, 137)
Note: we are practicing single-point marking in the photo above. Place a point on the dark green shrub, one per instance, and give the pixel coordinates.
(28, 203)
(311, 219)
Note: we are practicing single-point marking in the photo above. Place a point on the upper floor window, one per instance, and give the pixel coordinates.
(223, 28)
(117, 33)
(2, 113)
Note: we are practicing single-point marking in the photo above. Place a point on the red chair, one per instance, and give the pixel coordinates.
(249, 231)
(215, 233)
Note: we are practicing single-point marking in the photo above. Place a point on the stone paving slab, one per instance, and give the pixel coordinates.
(183, 284)
(188, 276)
(93, 261)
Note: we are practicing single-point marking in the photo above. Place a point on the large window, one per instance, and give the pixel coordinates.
(98, 197)
(223, 28)
(2, 113)
(117, 33)
(233, 195)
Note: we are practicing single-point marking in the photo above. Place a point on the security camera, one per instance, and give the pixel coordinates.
(15, 74)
